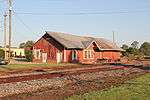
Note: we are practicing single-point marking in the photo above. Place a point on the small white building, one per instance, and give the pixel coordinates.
(16, 52)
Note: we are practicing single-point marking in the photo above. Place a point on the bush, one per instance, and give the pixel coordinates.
(29, 55)
(2, 53)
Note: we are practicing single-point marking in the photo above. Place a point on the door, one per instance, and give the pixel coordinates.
(59, 57)
(74, 55)
(44, 57)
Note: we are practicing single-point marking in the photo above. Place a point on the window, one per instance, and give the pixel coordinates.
(85, 54)
(37, 54)
(20, 53)
(74, 55)
(88, 54)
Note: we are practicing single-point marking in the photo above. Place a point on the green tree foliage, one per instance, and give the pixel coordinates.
(2, 53)
(125, 47)
(22, 45)
(29, 55)
(27, 44)
(28, 52)
(135, 44)
(145, 48)
(133, 51)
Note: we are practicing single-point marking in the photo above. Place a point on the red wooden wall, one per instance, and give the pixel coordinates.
(50, 47)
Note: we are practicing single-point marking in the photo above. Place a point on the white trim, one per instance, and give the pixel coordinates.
(44, 57)
(35, 53)
(92, 43)
(113, 49)
(65, 55)
(87, 55)
(103, 49)
(97, 45)
(59, 56)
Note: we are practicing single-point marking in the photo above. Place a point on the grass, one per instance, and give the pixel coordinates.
(16, 67)
(136, 89)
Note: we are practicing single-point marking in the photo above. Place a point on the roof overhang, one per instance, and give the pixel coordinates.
(111, 50)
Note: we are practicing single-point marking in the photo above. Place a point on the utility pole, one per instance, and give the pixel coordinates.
(5, 36)
(113, 37)
(10, 28)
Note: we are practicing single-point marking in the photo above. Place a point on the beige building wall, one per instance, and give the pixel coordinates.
(18, 52)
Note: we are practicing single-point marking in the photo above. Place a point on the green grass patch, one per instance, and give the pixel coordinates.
(14, 67)
(136, 89)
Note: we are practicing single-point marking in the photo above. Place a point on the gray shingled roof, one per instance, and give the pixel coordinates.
(105, 44)
(81, 42)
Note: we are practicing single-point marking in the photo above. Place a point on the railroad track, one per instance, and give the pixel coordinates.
(46, 75)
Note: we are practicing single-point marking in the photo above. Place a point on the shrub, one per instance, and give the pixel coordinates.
(29, 55)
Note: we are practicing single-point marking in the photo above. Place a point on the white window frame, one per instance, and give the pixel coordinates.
(35, 53)
(89, 52)
(65, 58)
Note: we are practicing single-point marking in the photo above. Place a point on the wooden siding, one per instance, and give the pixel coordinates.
(50, 46)
(113, 55)
(69, 56)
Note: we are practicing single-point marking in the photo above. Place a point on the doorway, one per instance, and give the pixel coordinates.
(59, 57)
(44, 57)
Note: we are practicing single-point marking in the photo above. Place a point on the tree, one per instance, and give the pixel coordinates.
(29, 44)
(145, 48)
(2, 53)
(29, 55)
(28, 52)
(135, 44)
(125, 47)
(22, 45)
(133, 51)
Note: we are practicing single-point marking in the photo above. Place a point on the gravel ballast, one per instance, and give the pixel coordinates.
(30, 86)
(16, 88)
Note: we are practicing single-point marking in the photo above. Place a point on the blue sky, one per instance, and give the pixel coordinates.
(99, 19)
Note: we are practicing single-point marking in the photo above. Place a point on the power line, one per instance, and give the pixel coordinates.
(85, 13)
(25, 25)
